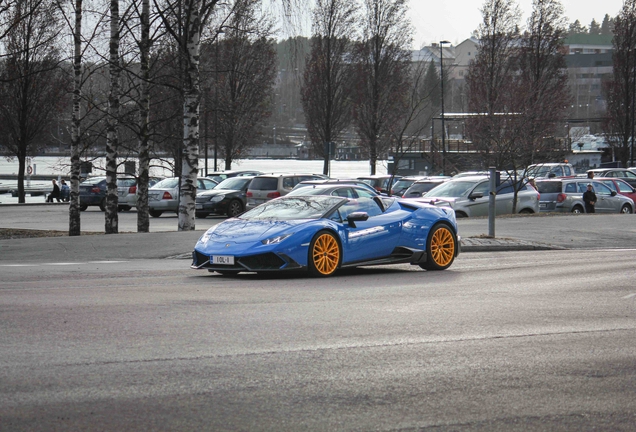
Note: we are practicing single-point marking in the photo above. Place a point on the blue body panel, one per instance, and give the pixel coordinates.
(404, 224)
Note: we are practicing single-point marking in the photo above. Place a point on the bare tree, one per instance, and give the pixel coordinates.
(382, 60)
(490, 82)
(241, 82)
(33, 89)
(620, 90)
(327, 79)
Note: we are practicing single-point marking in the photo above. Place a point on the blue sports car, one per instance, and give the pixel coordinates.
(324, 233)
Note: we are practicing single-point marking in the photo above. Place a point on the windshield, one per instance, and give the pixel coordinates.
(288, 208)
(538, 171)
(233, 183)
(168, 183)
(451, 189)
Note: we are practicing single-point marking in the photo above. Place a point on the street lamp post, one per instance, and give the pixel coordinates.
(216, 98)
(441, 67)
(633, 50)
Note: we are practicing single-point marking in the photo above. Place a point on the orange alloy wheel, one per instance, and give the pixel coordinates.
(325, 254)
(441, 249)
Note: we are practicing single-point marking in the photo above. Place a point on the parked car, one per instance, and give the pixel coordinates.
(469, 197)
(356, 182)
(228, 197)
(342, 189)
(127, 191)
(269, 186)
(381, 183)
(566, 195)
(550, 170)
(322, 234)
(92, 192)
(400, 186)
(621, 173)
(164, 196)
(620, 186)
(219, 176)
(421, 187)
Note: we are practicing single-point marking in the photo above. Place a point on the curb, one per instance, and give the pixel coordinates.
(486, 244)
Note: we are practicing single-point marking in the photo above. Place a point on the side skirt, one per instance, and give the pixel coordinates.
(400, 255)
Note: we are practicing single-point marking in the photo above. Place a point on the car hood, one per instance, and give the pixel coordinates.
(213, 192)
(250, 231)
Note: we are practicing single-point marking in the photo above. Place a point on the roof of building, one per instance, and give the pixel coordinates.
(588, 39)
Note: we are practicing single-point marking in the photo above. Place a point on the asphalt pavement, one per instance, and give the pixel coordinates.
(518, 233)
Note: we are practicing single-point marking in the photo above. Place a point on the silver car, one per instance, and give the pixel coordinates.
(468, 196)
(566, 195)
(164, 196)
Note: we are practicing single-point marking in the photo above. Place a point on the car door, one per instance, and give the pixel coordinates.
(605, 202)
(477, 206)
(374, 238)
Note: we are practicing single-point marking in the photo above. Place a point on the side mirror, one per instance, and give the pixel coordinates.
(475, 195)
(357, 217)
(613, 193)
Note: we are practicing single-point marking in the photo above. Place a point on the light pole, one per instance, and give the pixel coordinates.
(216, 99)
(633, 50)
(441, 68)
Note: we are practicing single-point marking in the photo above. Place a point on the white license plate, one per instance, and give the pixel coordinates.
(543, 205)
(198, 206)
(223, 259)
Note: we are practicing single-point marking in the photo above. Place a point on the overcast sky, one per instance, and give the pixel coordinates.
(455, 20)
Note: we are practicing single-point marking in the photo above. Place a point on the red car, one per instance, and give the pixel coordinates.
(619, 186)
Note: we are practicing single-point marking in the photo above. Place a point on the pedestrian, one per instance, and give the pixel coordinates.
(589, 198)
(65, 192)
(590, 175)
(55, 193)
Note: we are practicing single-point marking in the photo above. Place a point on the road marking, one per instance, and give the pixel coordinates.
(630, 296)
(60, 264)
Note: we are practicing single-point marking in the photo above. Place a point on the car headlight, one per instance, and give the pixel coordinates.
(275, 240)
(217, 198)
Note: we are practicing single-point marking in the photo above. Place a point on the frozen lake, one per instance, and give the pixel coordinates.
(58, 166)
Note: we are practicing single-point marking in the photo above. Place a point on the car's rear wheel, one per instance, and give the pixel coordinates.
(324, 254)
(626, 209)
(102, 204)
(577, 209)
(201, 215)
(234, 209)
(83, 207)
(440, 248)
(155, 213)
(124, 208)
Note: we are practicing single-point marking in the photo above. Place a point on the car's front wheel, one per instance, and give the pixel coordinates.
(201, 215)
(155, 213)
(441, 248)
(626, 209)
(324, 254)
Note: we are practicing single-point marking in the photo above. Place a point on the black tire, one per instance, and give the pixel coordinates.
(234, 208)
(461, 215)
(83, 207)
(201, 215)
(578, 209)
(102, 205)
(441, 248)
(526, 211)
(123, 208)
(325, 254)
(626, 209)
(155, 213)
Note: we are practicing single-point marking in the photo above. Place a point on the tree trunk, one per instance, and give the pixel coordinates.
(74, 221)
(143, 222)
(112, 132)
(192, 98)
